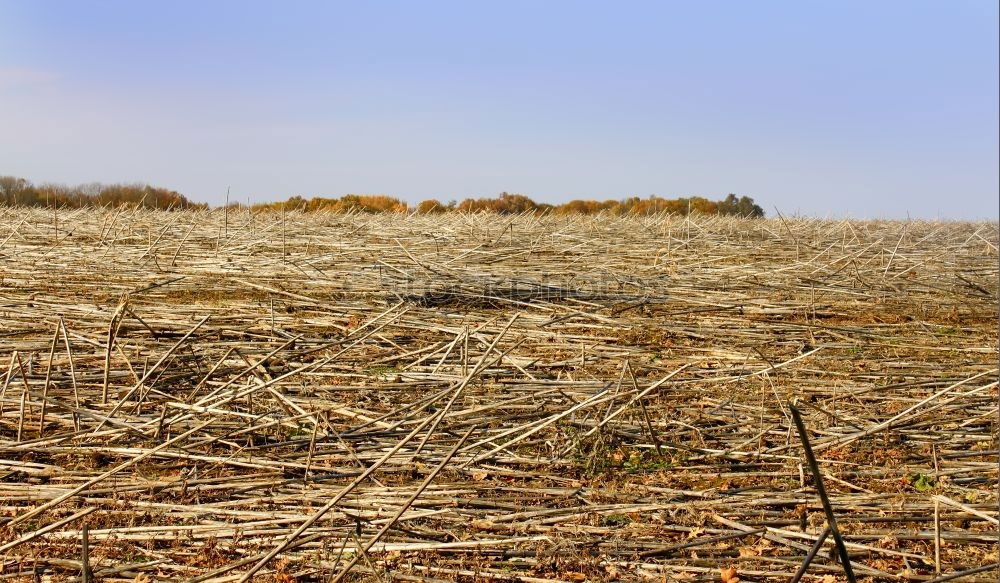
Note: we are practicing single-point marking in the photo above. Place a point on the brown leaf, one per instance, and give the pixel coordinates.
(729, 575)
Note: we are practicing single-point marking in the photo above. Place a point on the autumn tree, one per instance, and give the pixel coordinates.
(431, 207)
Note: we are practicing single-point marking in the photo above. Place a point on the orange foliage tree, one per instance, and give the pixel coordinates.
(431, 207)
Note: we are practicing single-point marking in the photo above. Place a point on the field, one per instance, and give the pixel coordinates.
(224, 396)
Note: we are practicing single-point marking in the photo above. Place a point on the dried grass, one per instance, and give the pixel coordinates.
(202, 391)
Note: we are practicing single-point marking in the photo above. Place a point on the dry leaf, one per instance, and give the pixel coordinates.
(575, 576)
(283, 576)
(729, 575)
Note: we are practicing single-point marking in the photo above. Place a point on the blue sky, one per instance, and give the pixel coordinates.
(863, 109)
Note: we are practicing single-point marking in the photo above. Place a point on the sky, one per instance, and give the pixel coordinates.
(841, 109)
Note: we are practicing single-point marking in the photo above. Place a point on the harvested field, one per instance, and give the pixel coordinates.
(220, 396)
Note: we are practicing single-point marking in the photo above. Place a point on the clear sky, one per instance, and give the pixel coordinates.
(842, 108)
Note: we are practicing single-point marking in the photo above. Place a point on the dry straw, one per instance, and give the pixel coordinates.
(216, 396)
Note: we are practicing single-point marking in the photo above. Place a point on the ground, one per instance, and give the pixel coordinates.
(493, 398)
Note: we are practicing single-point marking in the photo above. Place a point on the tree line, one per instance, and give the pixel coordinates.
(510, 204)
(16, 191)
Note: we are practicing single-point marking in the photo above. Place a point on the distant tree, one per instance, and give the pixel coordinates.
(431, 206)
(743, 207)
(747, 208)
(506, 204)
(12, 189)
